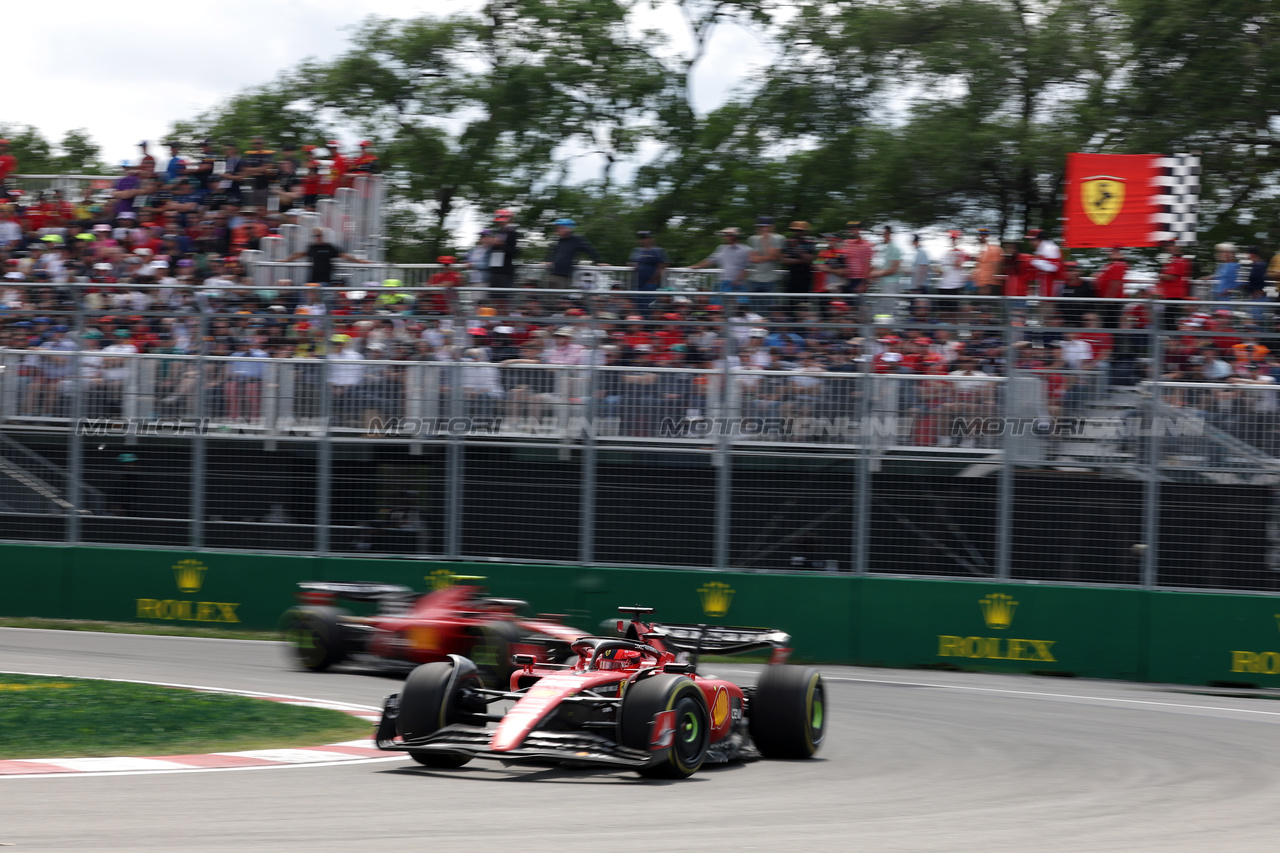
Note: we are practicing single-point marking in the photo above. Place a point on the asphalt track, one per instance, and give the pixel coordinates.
(913, 761)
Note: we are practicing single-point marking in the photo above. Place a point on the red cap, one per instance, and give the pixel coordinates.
(839, 303)
(446, 260)
(501, 215)
(575, 312)
(333, 143)
(924, 342)
(891, 339)
(671, 316)
(366, 144)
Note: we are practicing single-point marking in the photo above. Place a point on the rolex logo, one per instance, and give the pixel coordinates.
(997, 610)
(715, 597)
(190, 575)
(441, 579)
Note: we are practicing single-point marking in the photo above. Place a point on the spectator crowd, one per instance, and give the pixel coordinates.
(151, 266)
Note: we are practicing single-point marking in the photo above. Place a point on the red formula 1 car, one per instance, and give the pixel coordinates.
(411, 628)
(633, 701)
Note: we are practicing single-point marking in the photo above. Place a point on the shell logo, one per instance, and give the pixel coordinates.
(720, 708)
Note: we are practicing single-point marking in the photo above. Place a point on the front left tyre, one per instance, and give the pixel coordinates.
(429, 701)
(667, 692)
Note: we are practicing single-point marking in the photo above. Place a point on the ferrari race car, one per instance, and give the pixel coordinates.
(410, 628)
(632, 701)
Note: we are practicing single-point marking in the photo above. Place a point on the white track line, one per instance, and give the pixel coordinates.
(1034, 694)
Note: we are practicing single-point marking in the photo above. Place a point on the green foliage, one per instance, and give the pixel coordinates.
(951, 113)
(77, 153)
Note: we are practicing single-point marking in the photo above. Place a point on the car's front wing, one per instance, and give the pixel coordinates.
(539, 747)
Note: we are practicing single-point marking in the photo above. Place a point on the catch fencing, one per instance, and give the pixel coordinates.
(756, 432)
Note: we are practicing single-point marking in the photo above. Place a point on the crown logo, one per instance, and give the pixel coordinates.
(441, 579)
(997, 610)
(715, 597)
(190, 575)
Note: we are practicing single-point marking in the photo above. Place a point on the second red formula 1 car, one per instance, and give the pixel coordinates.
(634, 701)
(411, 628)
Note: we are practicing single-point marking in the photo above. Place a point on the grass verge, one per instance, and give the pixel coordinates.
(136, 628)
(80, 718)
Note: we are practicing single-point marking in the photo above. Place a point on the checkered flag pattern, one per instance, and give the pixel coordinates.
(1177, 198)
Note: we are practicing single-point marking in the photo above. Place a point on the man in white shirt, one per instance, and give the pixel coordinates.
(345, 375)
(1047, 263)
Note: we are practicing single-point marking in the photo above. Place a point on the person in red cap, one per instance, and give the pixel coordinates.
(1109, 284)
(337, 168)
(1047, 263)
(445, 300)
(8, 163)
(367, 162)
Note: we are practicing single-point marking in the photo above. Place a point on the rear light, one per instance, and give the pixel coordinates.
(663, 732)
(779, 656)
(316, 599)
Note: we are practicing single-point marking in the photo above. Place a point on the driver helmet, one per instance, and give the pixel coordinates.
(617, 658)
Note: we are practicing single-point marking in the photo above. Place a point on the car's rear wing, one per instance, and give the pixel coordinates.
(722, 640)
(324, 592)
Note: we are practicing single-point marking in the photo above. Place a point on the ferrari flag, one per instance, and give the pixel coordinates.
(1130, 199)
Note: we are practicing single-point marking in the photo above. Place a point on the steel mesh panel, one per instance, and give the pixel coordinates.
(792, 514)
(146, 488)
(386, 500)
(1218, 536)
(655, 508)
(521, 503)
(257, 498)
(1076, 527)
(933, 523)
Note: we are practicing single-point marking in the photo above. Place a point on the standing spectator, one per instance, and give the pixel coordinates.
(857, 259)
(731, 259)
(828, 278)
(207, 169)
(565, 253)
(8, 163)
(322, 254)
(10, 230)
(649, 263)
(345, 375)
(1225, 279)
(766, 250)
(951, 282)
(337, 168)
(1255, 289)
(888, 273)
(232, 174)
(989, 260)
(147, 165)
(367, 162)
(1047, 263)
(260, 170)
(127, 189)
(920, 266)
(504, 248)
(1109, 284)
(798, 254)
(176, 165)
(1175, 282)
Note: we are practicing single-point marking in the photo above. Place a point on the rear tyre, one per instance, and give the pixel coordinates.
(428, 705)
(317, 636)
(649, 697)
(788, 712)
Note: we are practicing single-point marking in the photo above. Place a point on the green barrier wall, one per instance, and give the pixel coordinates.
(1177, 637)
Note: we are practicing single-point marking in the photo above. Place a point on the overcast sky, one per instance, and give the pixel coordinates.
(125, 73)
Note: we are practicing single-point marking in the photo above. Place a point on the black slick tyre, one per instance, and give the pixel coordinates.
(648, 698)
(316, 636)
(426, 706)
(492, 653)
(788, 712)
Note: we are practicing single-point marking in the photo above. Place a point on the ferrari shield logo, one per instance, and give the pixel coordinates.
(1102, 197)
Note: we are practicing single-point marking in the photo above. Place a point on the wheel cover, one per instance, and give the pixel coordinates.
(817, 712)
(689, 736)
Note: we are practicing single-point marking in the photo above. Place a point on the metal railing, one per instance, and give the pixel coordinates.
(786, 433)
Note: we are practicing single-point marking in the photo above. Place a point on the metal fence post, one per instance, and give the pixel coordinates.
(1006, 483)
(862, 482)
(723, 456)
(199, 446)
(75, 450)
(453, 491)
(324, 451)
(587, 475)
(1151, 490)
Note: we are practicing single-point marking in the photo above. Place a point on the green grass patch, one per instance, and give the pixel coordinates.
(135, 628)
(76, 718)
